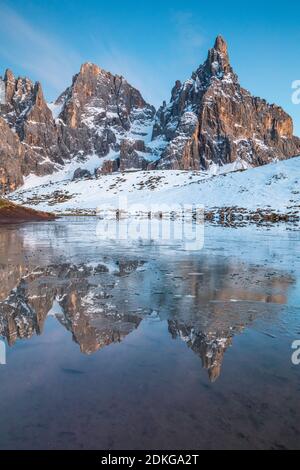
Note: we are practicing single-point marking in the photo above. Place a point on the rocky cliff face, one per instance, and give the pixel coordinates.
(11, 159)
(211, 119)
(24, 109)
(100, 113)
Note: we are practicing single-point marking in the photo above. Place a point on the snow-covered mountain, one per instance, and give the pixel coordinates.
(102, 125)
(100, 115)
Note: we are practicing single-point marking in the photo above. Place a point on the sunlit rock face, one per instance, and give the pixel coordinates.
(212, 120)
(24, 109)
(11, 159)
(100, 111)
(94, 116)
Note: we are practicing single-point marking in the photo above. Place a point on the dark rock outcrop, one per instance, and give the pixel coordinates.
(109, 166)
(133, 155)
(211, 119)
(81, 174)
(13, 214)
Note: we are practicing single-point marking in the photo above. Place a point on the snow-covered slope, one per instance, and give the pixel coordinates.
(273, 187)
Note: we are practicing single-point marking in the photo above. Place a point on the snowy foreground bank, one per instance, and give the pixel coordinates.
(273, 189)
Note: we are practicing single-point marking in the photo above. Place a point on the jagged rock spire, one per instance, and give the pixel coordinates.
(9, 76)
(218, 64)
(212, 120)
(221, 45)
(38, 94)
(10, 83)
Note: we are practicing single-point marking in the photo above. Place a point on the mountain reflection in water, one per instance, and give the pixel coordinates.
(205, 300)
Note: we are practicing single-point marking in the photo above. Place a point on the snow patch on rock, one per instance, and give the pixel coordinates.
(2, 92)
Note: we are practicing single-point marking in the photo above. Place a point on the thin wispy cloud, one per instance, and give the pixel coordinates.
(46, 57)
(156, 78)
(138, 72)
(40, 54)
(189, 37)
(53, 62)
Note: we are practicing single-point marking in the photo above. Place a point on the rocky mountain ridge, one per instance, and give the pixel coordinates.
(210, 121)
(30, 141)
(99, 111)
(99, 114)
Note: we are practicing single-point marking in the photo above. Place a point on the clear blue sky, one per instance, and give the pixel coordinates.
(153, 43)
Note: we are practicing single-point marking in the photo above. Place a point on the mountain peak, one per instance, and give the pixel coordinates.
(212, 120)
(221, 45)
(90, 68)
(217, 63)
(9, 76)
(38, 94)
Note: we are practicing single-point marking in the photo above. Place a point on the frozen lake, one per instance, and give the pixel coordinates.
(142, 346)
